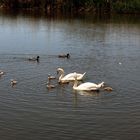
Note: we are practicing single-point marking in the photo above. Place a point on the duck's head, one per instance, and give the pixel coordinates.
(68, 55)
(37, 58)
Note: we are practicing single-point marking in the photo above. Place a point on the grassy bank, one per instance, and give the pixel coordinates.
(104, 6)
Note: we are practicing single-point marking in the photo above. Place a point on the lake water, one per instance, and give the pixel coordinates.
(107, 49)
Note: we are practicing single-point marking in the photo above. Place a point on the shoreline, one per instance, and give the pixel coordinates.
(81, 11)
(68, 10)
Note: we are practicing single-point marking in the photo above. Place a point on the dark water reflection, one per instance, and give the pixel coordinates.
(108, 49)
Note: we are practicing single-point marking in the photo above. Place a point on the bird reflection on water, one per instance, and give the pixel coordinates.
(88, 93)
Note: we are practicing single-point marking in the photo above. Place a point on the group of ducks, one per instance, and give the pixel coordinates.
(36, 59)
(60, 56)
(75, 77)
(12, 81)
(33, 59)
(65, 79)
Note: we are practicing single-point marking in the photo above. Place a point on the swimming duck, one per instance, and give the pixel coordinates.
(1, 73)
(64, 55)
(108, 88)
(34, 59)
(88, 86)
(50, 77)
(68, 77)
(49, 85)
(13, 82)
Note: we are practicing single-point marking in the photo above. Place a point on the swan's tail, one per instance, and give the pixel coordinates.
(101, 84)
(84, 74)
(79, 76)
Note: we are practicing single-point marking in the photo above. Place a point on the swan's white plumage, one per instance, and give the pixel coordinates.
(69, 77)
(88, 86)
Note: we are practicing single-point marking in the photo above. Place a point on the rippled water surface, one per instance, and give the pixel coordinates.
(106, 49)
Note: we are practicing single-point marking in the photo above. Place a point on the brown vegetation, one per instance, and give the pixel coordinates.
(122, 6)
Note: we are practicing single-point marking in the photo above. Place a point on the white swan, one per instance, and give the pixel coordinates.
(88, 86)
(68, 77)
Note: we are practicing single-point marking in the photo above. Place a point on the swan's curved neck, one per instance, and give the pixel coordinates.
(61, 75)
(75, 83)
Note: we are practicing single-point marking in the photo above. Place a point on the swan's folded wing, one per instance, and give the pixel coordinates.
(80, 76)
(88, 86)
(93, 88)
(69, 76)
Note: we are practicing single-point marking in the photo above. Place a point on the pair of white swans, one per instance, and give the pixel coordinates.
(88, 86)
